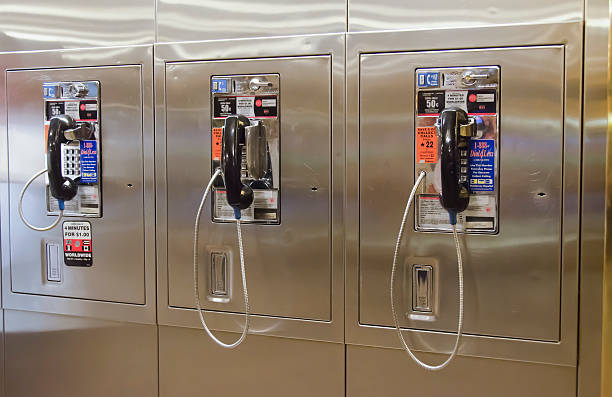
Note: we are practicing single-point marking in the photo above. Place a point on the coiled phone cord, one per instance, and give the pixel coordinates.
(196, 234)
(20, 209)
(393, 271)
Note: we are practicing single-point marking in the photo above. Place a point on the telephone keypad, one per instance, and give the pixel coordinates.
(71, 166)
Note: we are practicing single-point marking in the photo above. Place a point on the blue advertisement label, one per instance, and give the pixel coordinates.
(89, 161)
(482, 165)
(49, 91)
(428, 79)
(220, 86)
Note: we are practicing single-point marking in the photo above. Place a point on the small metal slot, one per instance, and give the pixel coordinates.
(54, 262)
(422, 288)
(218, 275)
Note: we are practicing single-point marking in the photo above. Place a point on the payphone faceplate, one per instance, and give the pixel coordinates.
(80, 158)
(476, 91)
(257, 98)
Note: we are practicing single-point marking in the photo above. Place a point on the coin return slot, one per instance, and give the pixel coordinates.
(422, 288)
(218, 275)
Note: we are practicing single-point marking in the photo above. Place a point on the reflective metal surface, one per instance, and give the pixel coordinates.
(288, 265)
(595, 280)
(192, 365)
(505, 294)
(41, 25)
(606, 367)
(388, 372)
(366, 15)
(294, 270)
(63, 356)
(555, 291)
(120, 284)
(2, 355)
(191, 20)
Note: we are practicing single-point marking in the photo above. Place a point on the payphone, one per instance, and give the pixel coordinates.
(72, 130)
(456, 168)
(245, 142)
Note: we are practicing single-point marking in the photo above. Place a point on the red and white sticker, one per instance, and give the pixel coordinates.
(426, 145)
(78, 244)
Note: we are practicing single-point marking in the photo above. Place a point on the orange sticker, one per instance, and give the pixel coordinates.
(217, 136)
(46, 134)
(426, 145)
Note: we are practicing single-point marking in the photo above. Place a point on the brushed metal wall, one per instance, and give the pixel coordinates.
(118, 261)
(63, 356)
(193, 20)
(296, 288)
(190, 364)
(42, 25)
(86, 356)
(121, 283)
(367, 15)
(506, 294)
(387, 372)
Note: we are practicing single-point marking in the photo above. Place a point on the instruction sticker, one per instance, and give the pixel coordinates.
(426, 145)
(77, 244)
(265, 206)
(245, 106)
(482, 165)
(457, 99)
(217, 137)
(478, 216)
(71, 108)
(224, 211)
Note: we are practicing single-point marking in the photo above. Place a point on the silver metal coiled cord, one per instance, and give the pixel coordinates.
(393, 271)
(196, 234)
(20, 209)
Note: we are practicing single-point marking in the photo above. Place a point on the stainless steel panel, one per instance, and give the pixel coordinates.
(387, 372)
(365, 15)
(289, 265)
(297, 273)
(117, 273)
(191, 20)
(595, 353)
(124, 238)
(62, 356)
(190, 364)
(507, 291)
(41, 25)
(563, 352)
(2, 356)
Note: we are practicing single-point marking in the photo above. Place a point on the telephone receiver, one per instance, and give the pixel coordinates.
(239, 195)
(63, 129)
(455, 129)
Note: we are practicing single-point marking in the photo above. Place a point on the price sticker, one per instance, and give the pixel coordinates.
(78, 244)
(426, 145)
(217, 137)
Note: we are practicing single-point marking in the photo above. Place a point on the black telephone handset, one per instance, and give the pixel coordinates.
(62, 188)
(239, 195)
(455, 129)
